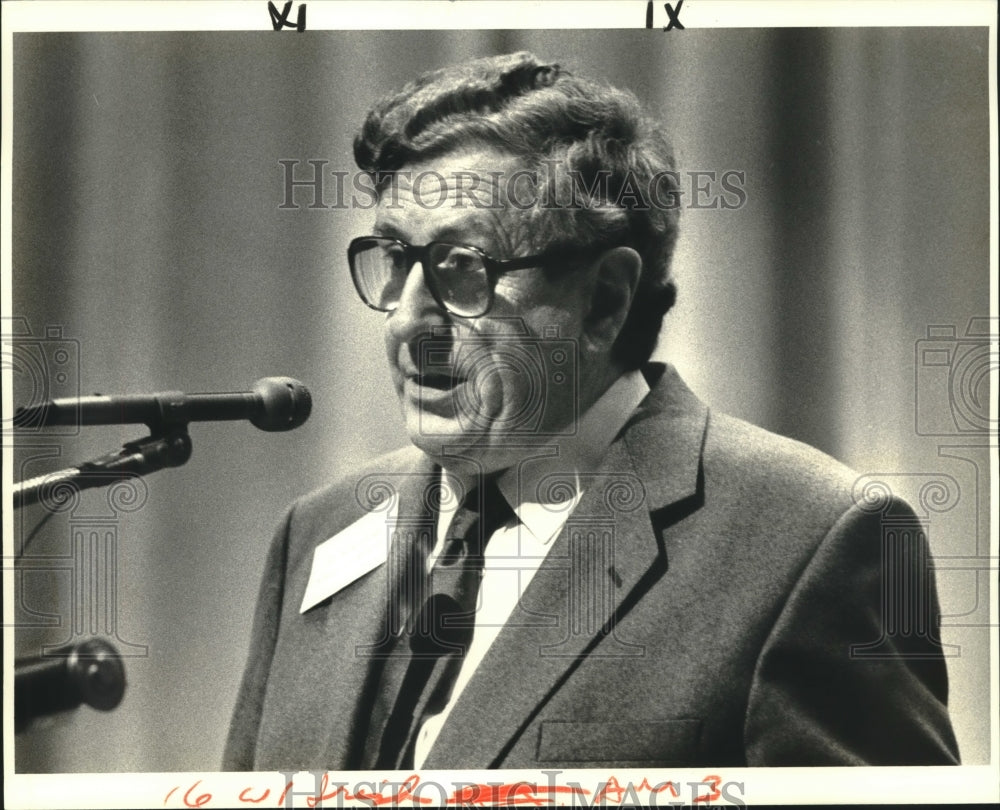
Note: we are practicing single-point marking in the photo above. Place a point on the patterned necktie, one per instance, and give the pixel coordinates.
(443, 627)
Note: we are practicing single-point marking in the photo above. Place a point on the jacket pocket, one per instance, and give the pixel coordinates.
(663, 742)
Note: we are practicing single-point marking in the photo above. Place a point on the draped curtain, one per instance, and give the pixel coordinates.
(149, 237)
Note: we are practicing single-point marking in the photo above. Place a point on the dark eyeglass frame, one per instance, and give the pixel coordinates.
(421, 253)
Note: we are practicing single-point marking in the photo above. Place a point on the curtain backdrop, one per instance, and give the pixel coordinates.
(148, 238)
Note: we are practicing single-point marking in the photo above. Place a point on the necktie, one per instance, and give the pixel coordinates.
(443, 627)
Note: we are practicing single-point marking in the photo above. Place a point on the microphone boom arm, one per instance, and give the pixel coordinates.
(171, 448)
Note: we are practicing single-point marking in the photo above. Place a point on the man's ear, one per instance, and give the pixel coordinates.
(616, 280)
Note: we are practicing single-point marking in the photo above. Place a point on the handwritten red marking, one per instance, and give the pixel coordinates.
(644, 785)
(709, 797)
(245, 798)
(510, 794)
(312, 801)
(204, 798)
(611, 786)
(405, 792)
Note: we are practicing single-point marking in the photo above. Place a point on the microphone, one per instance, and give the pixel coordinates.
(274, 403)
(90, 672)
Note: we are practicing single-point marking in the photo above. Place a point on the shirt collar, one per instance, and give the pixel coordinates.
(545, 488)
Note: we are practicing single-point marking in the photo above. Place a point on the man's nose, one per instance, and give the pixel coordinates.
(418, 311)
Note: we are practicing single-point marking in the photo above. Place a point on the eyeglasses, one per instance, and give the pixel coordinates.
(460, 277)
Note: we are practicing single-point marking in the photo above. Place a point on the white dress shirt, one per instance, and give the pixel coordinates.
(542, 506)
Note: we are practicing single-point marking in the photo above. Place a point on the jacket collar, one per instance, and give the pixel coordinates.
(665, 438)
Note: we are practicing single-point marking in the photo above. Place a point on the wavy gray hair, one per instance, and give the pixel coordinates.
(597, 147)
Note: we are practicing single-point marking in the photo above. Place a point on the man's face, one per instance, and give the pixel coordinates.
(482, 387)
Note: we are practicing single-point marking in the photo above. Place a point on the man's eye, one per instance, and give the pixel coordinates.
(460, 261)
(394, 256)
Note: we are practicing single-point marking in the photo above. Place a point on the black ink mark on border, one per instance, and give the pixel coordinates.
(279, 21)
(674, 21)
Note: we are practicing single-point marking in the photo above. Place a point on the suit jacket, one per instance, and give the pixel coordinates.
(718, 597)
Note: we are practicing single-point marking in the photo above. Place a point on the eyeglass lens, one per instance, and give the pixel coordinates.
(456, 274)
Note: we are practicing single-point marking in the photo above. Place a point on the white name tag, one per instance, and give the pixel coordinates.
(361, 547)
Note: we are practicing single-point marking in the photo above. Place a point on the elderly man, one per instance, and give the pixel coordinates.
(577, 565)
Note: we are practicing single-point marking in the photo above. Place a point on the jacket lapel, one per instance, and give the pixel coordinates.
(606, 557)
(412, 536)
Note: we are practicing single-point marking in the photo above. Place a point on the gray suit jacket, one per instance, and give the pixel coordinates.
(717, 598)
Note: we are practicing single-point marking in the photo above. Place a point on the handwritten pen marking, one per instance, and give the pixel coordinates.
(279, 21)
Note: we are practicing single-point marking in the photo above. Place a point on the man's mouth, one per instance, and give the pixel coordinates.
(441, 381)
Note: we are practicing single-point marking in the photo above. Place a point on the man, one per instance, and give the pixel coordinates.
(577, 565)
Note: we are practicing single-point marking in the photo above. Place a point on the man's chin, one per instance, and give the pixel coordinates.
(447, 440)
(438, 434)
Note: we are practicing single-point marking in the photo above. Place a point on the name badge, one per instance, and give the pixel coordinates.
(348, 555)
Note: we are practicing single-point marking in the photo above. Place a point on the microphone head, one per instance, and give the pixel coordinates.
(95, 668)
(284, 403)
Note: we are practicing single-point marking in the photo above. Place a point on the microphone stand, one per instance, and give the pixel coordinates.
(170, 447)
(91, 672)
